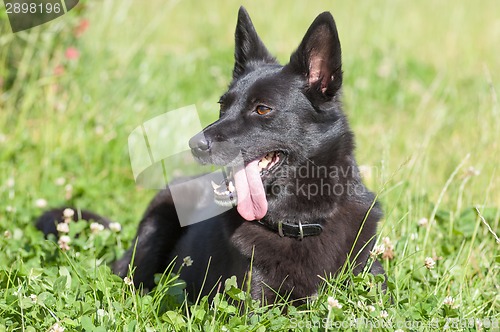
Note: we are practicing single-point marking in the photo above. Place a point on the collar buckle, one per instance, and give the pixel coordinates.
(301, 231)
(296, 230)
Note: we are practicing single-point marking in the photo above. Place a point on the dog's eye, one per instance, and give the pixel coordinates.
(262, 110)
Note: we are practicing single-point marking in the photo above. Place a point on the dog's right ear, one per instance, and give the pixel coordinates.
(249, 48)
(318, 58)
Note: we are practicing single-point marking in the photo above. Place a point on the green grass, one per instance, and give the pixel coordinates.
(420, 90)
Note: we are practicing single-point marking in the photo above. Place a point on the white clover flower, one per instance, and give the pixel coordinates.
(11, 182)
(384, 314)
(429, 263)
(99, 130)
(472, 171)
(370, 308)
(128, 281)
(377, 251)
(41, 203)
(68, 213)
(389, 248)
(334, 303)
(449, 301)
(63, 227)
(115, 227)
(33, 297)
(57, 328)
(96, 227)
(64, 242)
(187, 261)
(101, 313)
(423, 222)
(60, 181)
(68, 191)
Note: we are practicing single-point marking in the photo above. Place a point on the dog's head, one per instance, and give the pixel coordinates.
(274, 116)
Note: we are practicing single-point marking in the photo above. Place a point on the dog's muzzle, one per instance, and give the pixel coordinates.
(200, 146)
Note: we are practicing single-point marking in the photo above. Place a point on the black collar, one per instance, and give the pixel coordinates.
(298, 230)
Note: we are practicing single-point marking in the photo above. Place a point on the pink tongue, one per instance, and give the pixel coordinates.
(252, 203)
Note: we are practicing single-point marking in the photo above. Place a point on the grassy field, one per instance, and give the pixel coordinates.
(421, 92)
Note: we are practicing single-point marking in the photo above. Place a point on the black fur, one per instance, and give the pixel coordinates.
(307, 125)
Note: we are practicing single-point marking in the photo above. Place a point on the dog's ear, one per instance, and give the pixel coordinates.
(249, 48)
(318, 57)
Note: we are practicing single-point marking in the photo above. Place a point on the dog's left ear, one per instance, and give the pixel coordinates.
(249, 48)
(318, 57)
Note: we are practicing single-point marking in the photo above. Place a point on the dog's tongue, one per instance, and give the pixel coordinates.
(252, 203)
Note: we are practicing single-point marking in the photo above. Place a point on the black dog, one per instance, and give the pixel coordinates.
(301, 210)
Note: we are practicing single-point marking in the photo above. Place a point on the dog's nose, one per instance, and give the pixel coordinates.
(199, 145)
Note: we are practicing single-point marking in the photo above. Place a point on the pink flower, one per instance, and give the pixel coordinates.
(82, 26)
(72, 53)
(58, 70)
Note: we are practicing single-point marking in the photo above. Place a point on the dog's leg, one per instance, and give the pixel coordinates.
(377, 269)
(156, 237)
(48, 221)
